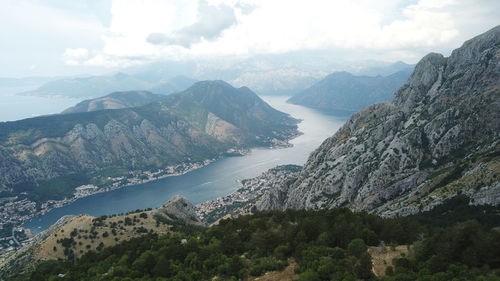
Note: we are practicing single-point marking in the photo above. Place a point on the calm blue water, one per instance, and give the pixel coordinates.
(212, 181)
(15, 107)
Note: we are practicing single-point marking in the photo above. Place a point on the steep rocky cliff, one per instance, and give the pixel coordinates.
(438, 138)
(201, 123)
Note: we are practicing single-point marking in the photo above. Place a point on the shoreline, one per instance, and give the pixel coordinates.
(136, 180)
(250, 189)
(132, 181)
(19, 212)
(50, 205)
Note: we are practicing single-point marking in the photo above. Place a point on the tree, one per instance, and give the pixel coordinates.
(235, 266)
(309, 275)
(145, 262)
(357, 247)
(364, 266)
(162, 267)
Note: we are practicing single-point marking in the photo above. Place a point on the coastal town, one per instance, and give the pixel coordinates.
(241, 200)
(15, 211)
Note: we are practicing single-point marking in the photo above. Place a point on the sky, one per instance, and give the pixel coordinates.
(61, 37)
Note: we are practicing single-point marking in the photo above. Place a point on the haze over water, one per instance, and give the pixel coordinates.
(14, 106)
(215, 180)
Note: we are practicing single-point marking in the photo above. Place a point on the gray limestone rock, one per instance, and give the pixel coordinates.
(178, 209)
(409, 155)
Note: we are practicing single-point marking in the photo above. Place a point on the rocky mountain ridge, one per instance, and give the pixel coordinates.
(53, 154)
(438, 138)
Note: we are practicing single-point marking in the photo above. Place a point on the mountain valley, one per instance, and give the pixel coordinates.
(250, 141)
(52, 160)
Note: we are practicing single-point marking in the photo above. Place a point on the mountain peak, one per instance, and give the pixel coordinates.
(437, 139)
(426, 73)
(343, 91)
(475, 46)
(179, 209)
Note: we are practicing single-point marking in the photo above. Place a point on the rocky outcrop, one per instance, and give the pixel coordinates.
(178, 210)
(438, 138)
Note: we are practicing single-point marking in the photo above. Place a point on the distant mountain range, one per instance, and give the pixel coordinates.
(265, 74)
(47, 157)
(438, 138)
(97, 86)
(286, 81)
(384, 69)
(116, 100)
(172, 85)
(345, 91)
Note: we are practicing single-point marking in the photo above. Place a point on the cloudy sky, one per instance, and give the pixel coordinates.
(61, 37)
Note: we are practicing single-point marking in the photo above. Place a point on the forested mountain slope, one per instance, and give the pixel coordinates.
(322, 245)
(200, 123)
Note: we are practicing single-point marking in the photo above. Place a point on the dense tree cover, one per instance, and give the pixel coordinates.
(457, 209)
(464, 251)
(327, 245)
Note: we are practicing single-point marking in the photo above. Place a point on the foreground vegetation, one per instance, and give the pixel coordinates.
(327, 245)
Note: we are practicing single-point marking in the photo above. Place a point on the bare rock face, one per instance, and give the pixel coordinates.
(438, 138)
(178, 209)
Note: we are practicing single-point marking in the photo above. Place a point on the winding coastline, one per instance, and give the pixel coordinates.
(209, 182)
(140, 178)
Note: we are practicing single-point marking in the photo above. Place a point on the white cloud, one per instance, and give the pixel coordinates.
(211, 22)
(190, 29)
